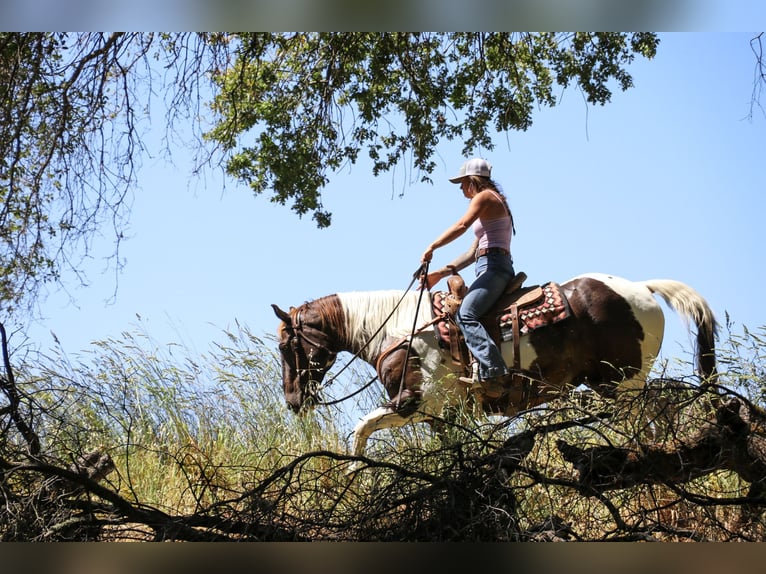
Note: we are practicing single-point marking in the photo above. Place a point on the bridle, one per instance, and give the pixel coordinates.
(314, 388)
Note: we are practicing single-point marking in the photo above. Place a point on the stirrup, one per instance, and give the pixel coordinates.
(473, 380)
(493, 388)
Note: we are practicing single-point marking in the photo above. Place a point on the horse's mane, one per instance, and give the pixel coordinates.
(366, 311)
(329, 312)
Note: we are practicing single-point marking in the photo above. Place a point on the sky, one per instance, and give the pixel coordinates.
(665, 181)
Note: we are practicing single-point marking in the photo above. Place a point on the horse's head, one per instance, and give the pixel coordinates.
(307, 354)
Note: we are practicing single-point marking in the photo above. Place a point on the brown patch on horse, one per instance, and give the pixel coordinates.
(314, 329)
(598, 346)
(405, 395)
(323, 316)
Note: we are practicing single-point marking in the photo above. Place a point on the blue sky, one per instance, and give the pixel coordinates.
(665, 181)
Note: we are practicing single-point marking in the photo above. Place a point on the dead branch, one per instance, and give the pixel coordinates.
(8, 385)
(734, 441)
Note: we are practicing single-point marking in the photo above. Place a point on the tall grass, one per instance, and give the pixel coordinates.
(183, 430)
(210, 433)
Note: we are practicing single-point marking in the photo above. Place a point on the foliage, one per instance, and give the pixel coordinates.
(311, 102)
(75, 107)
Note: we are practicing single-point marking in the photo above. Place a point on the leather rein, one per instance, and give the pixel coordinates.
(313, 390)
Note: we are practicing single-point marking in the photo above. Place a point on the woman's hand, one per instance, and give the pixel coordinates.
(427, 255)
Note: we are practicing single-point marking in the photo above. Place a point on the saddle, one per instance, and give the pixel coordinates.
(518, 311)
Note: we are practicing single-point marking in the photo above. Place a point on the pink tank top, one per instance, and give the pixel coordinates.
(494, 232)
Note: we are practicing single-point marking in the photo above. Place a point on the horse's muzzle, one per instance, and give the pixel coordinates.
(302, 405)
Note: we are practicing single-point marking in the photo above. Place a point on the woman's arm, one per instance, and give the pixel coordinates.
(477, 204)
(460, 263)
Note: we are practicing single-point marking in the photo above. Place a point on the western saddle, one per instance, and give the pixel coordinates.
(518, 310)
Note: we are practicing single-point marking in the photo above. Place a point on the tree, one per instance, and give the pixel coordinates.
(73, 105)
(316, 101)
(65, 160)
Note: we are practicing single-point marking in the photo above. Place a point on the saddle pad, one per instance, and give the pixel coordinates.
(441, 327)
(551, 307)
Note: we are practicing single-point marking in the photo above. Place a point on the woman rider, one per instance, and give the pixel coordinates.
(492, 223)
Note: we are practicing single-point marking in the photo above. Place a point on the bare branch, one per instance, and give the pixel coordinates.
(8, 385)
(759, 74)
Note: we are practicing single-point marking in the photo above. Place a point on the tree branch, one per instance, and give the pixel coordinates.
(733, 442)
(8, 384)
(759, 80)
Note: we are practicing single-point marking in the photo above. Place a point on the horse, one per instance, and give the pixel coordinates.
(609, 343)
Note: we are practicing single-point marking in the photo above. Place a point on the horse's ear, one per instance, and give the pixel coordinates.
(282, 314)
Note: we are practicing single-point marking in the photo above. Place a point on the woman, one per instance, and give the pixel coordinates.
(492, 223)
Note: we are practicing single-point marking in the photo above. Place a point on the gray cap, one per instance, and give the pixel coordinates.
(475, 166)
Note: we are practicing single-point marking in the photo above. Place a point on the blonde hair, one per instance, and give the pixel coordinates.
(483, 183)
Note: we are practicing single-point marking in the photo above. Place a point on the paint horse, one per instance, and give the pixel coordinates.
(608, 342)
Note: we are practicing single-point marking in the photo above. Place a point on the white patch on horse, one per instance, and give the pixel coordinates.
(647, 312)
(366, 312)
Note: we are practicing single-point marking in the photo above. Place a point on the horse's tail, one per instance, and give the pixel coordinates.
(690, 305)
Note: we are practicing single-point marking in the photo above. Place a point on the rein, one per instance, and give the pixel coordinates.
(424, 272)
(421, 271)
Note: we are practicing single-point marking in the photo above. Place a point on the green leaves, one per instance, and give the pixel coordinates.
(63, 172)
(289, 110)
(292, 108)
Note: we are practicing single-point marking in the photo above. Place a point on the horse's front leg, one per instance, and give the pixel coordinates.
(381, 418)
(402, 382)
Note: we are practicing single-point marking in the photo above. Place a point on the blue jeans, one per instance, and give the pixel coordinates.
(493, 272)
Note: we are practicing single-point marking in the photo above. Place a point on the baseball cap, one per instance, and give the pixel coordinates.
(475, 166)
